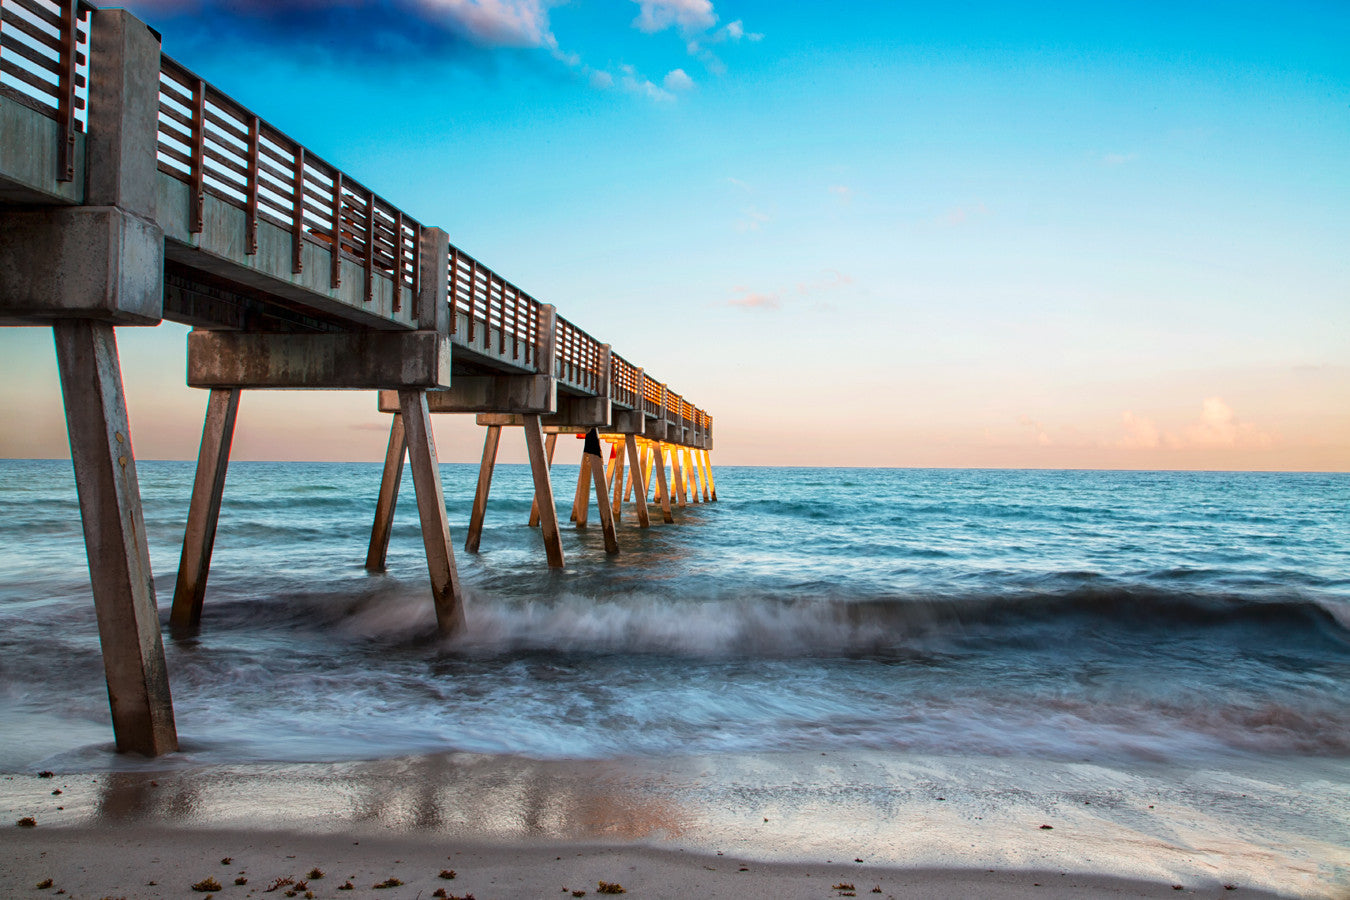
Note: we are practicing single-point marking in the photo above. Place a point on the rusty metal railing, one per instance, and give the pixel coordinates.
(490, 302)
(623, 385)
(218, 148)
(651, 396)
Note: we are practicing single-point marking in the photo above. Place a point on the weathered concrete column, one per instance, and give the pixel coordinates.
(491, 441)
(692, 469)
(708, 477)
(591, 456)
(114, 537)
(659, 467)
(679, 475)
(433, 298)
(543, 489)
(582, 501)
(199, 538)
(384, 507)
(640, 483)
(616, 484)
(431, 510)
(550, 445)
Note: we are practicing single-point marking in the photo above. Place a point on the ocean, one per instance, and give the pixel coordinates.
(1066, 616)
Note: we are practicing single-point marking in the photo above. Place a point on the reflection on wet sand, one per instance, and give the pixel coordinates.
(500, 798)
(1279, 827)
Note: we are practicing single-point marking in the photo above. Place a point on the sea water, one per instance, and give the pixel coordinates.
(1170, 617)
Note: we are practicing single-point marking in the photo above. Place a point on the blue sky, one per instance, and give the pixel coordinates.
(987, 234)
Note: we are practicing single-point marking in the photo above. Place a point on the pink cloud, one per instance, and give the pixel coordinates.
(749, 299)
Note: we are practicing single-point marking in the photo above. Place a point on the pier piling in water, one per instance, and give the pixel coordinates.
(388, 499)
(446, 595)
(114, 537)
(208, 487)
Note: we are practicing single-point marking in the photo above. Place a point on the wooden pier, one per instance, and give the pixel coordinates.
(131, 192)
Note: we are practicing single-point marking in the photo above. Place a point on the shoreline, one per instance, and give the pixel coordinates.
(946, 826)
(147, 862)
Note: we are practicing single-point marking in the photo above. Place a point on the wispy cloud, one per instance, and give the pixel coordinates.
(961, 215)
(1140, 433)
(688, 15)
(1119, 159)
(1043, 438)
(752, 219)
(1217, 427)
(635, 83)
(830, 280)
(678, 80)
(843, 192)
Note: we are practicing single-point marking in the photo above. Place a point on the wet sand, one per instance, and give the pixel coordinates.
(769, 825)
(151, 863)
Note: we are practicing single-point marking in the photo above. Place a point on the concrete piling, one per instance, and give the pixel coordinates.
(491, 441)
(114, 536)
(208, 487)
(445, 591)
(383, 526)
(545, 506)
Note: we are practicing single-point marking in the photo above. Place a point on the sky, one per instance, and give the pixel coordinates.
(966, 234)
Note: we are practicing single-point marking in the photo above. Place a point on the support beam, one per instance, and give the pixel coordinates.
(431, 510)
(543, 489)
(582, 501)
(701, 460)
(550, 444)
(199, 538)
(679, 475)
(114, 538)
(616, 483)
(384, 507)
(480, 497)
(491, 394)
(707, 470)
(630, 442)
(597, 466)
(648, 461)
(349, 360)
(659, 466)
(693, 474)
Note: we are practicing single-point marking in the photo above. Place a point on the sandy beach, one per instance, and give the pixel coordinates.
(779, 826)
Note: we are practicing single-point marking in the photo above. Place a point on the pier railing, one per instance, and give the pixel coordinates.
(220, 149)
(217, 147)
(44, 64)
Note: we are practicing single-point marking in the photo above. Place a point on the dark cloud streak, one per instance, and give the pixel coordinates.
(371, 33)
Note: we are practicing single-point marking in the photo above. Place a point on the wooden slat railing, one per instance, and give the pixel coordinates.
(219, 148)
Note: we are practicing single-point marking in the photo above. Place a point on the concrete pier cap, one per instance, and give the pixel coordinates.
(99, 263)
(519, 394)
(355, 361)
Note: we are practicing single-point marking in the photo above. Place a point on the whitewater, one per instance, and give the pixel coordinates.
(1072, 616)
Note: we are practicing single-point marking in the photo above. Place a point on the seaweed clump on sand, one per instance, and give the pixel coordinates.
(610, 887)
